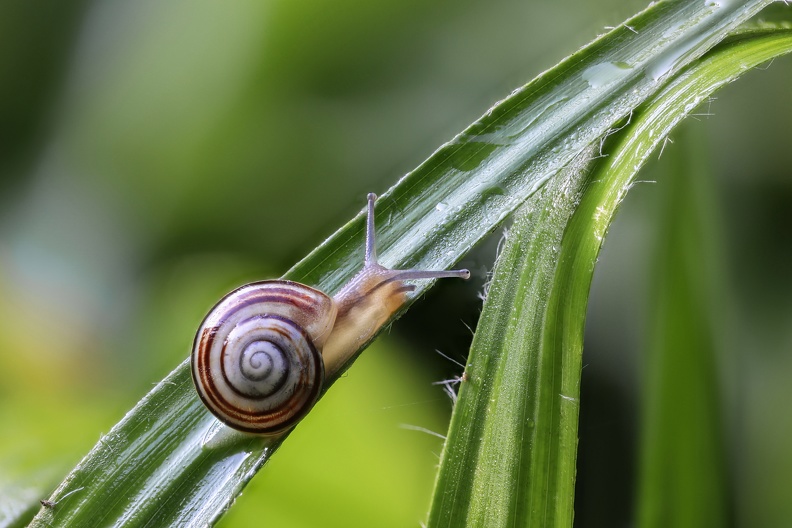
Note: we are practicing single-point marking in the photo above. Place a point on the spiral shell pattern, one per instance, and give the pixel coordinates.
(255, 367)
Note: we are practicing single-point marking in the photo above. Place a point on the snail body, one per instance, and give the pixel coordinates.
(260, 356)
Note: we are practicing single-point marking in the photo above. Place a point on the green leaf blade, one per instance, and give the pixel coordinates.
(683, 477)
(540, 337)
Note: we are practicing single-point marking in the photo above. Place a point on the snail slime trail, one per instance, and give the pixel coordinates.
(260, 356)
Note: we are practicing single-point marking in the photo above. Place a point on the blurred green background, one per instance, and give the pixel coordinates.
(154, 155)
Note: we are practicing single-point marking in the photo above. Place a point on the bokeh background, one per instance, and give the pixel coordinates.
(154, 155)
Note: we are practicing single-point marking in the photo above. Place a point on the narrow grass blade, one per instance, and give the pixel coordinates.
(510, 455)
(513, 386)
(683, 480)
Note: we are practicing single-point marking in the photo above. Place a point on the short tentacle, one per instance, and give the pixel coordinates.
(371, 247)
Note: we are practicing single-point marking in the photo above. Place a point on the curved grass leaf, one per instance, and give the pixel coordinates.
(510, 455)
(156, 466)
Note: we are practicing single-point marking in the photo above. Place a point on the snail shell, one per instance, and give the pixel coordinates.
(256, 364)
(260, 355)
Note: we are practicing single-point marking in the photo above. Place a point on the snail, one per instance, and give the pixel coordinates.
(260, 356)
